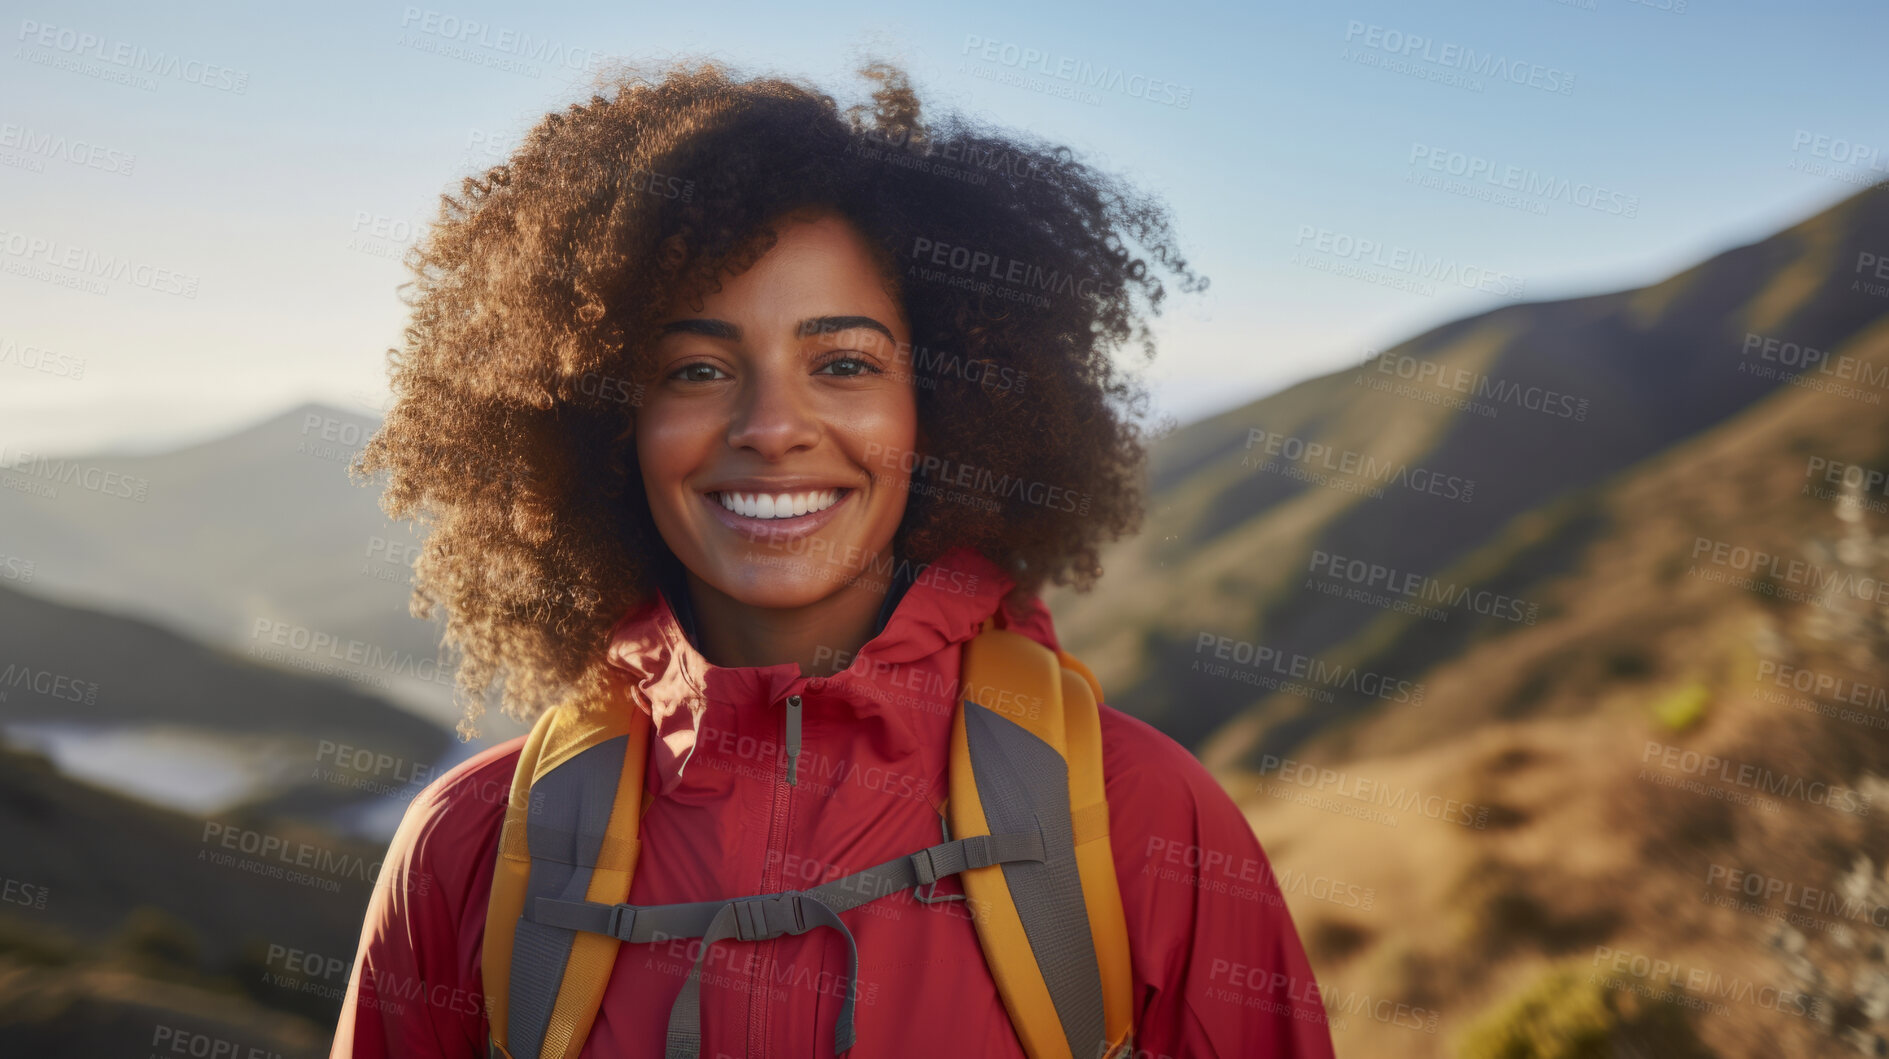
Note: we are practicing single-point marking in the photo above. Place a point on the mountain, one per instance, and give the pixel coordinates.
(122, 916)
(1411, 467)
(137, 706)
(229, 541)
(1682, 760)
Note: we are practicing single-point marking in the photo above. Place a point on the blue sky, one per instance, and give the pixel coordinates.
(262, 185)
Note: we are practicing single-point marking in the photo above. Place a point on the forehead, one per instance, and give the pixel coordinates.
(820, 264)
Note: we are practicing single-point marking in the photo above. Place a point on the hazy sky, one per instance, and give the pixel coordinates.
(247, 177)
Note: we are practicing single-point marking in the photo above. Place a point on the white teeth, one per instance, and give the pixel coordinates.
(779, 505)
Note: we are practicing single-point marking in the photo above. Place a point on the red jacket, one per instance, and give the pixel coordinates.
(1218, 968)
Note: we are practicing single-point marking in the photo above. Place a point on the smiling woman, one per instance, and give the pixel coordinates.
(768, 424)
(547, 289)
(748, 438)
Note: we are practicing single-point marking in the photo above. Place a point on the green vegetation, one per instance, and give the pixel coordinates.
(1563, 1015)
(1567, 1013)
(1682, 707)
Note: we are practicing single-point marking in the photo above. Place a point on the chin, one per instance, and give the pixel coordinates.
(801, 572)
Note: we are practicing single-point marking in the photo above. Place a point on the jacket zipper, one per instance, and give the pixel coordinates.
(759, 996)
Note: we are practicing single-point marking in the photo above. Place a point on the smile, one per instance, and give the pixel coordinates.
(778, 518)
(779, 505)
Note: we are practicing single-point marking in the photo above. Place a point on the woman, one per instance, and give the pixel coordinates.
(722, 395)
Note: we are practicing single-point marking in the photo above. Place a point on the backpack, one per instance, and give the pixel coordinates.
(1025, 798)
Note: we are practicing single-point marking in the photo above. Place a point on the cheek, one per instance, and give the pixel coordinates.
(881, 439)
(667, 437)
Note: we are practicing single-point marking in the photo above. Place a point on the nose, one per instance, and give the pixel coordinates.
(774, 415)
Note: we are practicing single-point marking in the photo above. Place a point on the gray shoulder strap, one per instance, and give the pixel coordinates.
(564, 829)
(1024, 785)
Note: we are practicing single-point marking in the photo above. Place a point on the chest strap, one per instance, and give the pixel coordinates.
(767, 916)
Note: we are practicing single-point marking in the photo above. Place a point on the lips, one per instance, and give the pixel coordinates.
(756, 514)
(784, 505)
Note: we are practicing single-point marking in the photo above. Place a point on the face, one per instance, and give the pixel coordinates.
(772, 442)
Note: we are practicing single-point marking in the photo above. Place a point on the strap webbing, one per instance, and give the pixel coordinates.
(772, 915)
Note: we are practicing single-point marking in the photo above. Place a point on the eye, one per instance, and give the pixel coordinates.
(849, 366)
(692, 372)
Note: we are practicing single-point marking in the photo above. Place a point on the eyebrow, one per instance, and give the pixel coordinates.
(813, 325)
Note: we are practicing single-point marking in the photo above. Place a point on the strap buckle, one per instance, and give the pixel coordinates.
(926, 870)
(622, 922)
(761, 918)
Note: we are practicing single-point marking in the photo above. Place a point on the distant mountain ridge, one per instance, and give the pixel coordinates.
(1246, 505)
(229, 539)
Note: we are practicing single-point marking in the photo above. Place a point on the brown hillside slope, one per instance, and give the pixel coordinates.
(1420, 457)
(1568, 741)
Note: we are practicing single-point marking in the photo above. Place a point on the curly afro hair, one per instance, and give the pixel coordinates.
(537, 292)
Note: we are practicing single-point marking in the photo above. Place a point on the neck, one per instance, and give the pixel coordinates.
(821, 637)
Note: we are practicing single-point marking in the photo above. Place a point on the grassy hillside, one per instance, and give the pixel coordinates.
(261, 525)
(129, 929)
(279, 709)
(1419, 460)
(1571, 824)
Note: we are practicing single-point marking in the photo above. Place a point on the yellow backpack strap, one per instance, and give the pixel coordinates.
(570, 832)
(1026, 752)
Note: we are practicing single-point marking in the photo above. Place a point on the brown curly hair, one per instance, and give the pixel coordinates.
(537, 292)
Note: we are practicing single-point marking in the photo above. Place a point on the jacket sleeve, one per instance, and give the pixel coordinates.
(410, 994)
(1219, 969)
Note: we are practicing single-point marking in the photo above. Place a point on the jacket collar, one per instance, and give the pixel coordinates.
(943, 605)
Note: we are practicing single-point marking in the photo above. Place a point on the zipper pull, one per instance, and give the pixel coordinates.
(793, 739)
